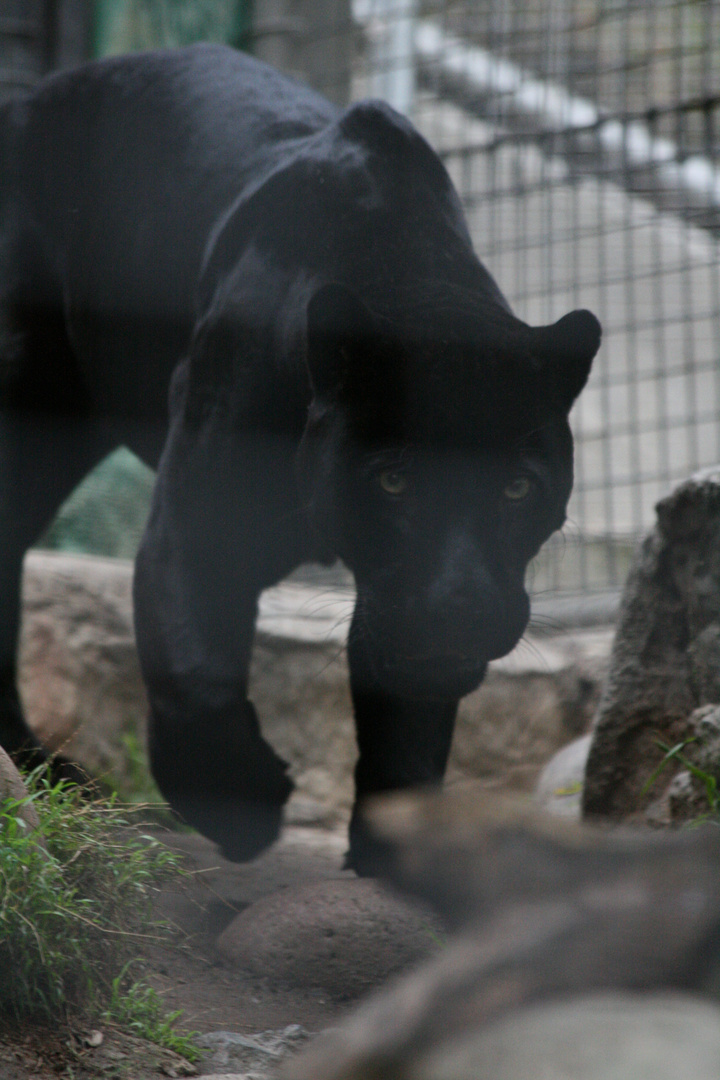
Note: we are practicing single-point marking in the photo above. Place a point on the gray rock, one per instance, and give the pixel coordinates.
(79, 675)
(545, 909)
(705, 751)
(344, 937)
(301, 692)
(254, 1057)
(472, 854)
(665, 660)
(689, 794)
(254, 1075)
(530, 705)
(604, 1036)
(83, 693)
(596, 1037)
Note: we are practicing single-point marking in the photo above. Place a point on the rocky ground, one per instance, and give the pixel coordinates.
(269, 953)
(290, 939)
(348, 936)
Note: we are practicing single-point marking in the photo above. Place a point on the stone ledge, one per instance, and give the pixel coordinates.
(81, 684)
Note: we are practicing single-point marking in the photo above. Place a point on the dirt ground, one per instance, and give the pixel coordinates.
(189, 973)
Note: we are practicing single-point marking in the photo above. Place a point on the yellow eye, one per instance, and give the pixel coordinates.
(517, 489)
(393, 482)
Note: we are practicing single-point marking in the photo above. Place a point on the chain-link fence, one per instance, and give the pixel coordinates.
(584, 138)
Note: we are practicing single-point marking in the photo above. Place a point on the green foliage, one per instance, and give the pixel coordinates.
(125, 25)
(107, 511)
(74, 901)
(706, 779)
(138, 1008)
(437, 938)
(136, 785)
(138, 779)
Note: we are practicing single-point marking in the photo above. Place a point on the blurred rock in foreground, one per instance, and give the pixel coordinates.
(547, 912)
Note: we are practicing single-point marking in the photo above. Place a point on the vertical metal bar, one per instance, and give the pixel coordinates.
(711, 86)
(629, 272)
(393, 54)
(51, 27)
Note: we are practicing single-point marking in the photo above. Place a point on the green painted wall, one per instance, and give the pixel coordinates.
(130, 25)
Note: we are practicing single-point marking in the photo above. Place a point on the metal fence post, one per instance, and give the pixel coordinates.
(311, 39)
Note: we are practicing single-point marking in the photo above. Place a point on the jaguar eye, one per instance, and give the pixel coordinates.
(393, 482)
(517, 489)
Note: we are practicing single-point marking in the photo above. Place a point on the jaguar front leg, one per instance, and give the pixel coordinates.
(403, 744)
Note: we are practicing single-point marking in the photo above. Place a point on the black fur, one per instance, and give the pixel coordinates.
(347, 380)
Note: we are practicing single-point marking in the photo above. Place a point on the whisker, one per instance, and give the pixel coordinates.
(545, 625)
(525, 645)
(332, 659)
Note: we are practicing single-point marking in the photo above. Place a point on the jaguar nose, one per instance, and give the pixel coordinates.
(475, 614)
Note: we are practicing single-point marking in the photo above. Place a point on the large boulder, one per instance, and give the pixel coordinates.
(605, 1036)
(562, 933)
(664, 677)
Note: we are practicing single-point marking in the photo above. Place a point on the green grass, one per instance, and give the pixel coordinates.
(75, 900)
(136, 785)
(707, 780)
(138, 1008)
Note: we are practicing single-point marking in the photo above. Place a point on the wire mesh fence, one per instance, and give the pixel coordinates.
(584, 139)
(583, 136)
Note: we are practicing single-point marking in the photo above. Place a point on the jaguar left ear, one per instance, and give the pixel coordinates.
(566, 350)
(339, 327)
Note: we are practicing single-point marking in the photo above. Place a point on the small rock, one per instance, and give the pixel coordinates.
(665, 661)
(260, 1053)
(705, 751)
(343, 936)
(684, 794)
(677, 802)
(177, 1068)
(238, 1076)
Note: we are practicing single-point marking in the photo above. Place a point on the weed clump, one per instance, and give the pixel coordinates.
(706, 795)
(75, 899)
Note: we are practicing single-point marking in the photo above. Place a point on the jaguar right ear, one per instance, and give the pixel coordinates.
(339, 330)
(566, 349)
